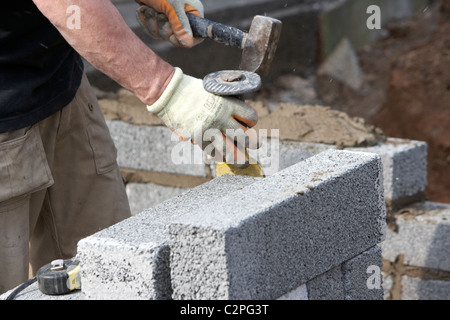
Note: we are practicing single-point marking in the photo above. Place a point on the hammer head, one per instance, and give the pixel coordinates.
(260, 44)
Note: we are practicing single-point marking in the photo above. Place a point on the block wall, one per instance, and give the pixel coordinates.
(319, 221)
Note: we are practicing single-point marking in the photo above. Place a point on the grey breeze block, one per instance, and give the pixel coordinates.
(274, 235)
(130, 260)
(404, 164)
(154, 148)
(348, 281)
(404, 170)
(422, 236)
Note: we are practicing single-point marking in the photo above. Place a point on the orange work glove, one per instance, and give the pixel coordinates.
(167, 20)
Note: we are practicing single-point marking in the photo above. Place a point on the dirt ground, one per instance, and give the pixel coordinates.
(407, 89)
(418, 103)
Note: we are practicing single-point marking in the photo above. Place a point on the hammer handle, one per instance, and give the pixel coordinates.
(204, 28)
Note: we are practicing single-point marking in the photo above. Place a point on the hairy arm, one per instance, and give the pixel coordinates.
(105, 40)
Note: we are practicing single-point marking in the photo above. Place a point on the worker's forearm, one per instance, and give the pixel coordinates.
(105, 40)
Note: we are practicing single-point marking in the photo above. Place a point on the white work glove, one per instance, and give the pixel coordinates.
(215, 123)
(167, 20)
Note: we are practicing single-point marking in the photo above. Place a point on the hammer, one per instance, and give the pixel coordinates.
(258, 45)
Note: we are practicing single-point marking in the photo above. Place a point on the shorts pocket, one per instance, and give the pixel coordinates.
(100, 140)
(23, 164)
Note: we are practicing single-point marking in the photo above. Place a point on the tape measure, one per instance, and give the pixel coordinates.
(59, 277)
(56, 278)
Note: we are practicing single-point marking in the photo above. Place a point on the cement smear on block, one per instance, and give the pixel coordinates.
(320, 124)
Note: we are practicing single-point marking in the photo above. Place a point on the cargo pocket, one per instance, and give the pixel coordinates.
(102, 145)
(23, 164)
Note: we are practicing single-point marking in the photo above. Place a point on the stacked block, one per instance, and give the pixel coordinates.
(246, 238)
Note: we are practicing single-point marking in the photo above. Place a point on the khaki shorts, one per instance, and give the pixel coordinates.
(59, 182)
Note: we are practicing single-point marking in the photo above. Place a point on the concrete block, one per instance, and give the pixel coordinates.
(130, 260)
(292, 152)
(422, 236)
(347, 281)
(420, 289)
(300, 293)
(143, 196)
(404, 170)
(155, 148)
(327, 286)
(362, 276)
(274, 155)
(404, 164)
(274, 235)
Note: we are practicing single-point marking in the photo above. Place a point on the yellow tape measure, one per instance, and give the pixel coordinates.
(59, 277)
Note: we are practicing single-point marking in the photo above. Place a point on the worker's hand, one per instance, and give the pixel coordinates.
(213, 122)
(167, 20)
